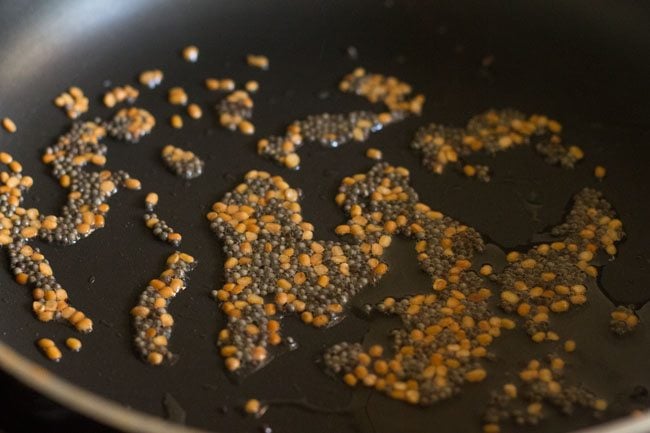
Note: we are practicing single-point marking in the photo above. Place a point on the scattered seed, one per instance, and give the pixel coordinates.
(258, 61)
(9, 125)
(49, 349)
(373, 153)
(183, 163)
(600, 172)
(194, 111)
(252, 86)
(176, 121)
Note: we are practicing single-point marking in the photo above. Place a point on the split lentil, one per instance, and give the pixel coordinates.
(152, 322)
(151, 78)
(373, 153)
(541, 385)
(493, 131)
(9, 125)
(182, 163)
(159, 227)
(191, 54)
(258, 61)
(73, 344)
(194, 111)
(176, 121)
(120, 94)
(73, 101)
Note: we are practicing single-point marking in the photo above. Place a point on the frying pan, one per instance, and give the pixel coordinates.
(584, 63)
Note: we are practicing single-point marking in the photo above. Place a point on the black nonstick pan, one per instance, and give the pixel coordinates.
(584, 63)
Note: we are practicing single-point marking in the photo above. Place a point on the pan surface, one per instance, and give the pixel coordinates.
(584, 63)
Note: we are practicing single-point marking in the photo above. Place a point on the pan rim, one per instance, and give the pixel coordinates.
(113, 414)
(80, 400)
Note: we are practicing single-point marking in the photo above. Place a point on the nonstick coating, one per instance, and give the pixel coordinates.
(584, 63)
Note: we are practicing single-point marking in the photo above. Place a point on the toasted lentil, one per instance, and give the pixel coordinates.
(73, 101)
(151, 78)
(254, 408)
(194, 111)
(9, 125)
(191, 54)
(152, 323)
(120, 94)
(252, 86)
(73, 344)
(493, 131)
(176, 121)
(183, 163)
(258, 61)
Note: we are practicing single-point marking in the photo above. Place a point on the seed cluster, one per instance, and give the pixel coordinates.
(445, 332)
(120, 94)
(392, 92)
(493, 131)
(235, 112)
(551, 278)
(151, 78)
(274, 267)
(330, 130)
(541, 385)
(623, 320)
(83, 213)
(333, 130)
(131, 124)
(159, 227)
(151, 320)
(73, 101)
(182, 163)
